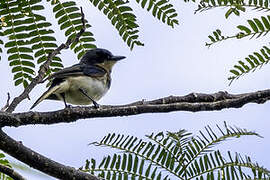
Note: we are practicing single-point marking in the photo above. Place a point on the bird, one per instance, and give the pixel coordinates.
(83, 83)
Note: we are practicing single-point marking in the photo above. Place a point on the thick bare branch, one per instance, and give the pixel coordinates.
(193, 102)
(44, 68)
(11, 173)
(37, 161)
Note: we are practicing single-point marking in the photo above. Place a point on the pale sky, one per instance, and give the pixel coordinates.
(172, 62)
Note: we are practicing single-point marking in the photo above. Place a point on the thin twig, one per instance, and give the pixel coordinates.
(7, 103)
(11, 173)
(44, 67)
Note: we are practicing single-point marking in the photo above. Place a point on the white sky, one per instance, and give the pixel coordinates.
(172, 62)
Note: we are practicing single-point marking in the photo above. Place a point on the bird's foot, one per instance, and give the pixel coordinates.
(68, 106)
(96, 105)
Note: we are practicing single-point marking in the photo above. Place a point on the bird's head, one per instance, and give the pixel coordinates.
(101, 57)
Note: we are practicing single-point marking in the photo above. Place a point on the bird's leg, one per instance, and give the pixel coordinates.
(64, 99)
(96, 105)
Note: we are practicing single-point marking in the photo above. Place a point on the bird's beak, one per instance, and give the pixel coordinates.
(117, 58)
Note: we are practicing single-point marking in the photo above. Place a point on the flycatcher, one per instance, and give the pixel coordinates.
(83, 83)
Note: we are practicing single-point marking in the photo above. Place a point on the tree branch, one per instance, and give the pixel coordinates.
(193, 102)
(37, 161)
(11, 173)
(24, 154)
(44, 67)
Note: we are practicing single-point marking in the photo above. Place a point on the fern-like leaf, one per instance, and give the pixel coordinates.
(124, 166)
(122, 18)
(69, 19)
(250, 64)
(162, 10)
(257, 27)
(153, 153)
(29, 37)
(20, 55)
(261, 5)
(203, 143)
(42, 40)
(178, 154)
(234, 6)
(219, 166)
(215, 37)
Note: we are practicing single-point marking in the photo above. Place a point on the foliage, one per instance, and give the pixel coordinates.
(29, 37)
(251, 63)
(161, 9)
(175, 154)
(6, 163)
(257, 27)
(69, 19)
(122, 18)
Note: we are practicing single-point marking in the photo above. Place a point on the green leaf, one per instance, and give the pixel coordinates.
(26, 56)
(69, 19)
(266, 23)
(28, 63)
(228, 13)
(244, 28)
(18, 81)
(253, 26)
(259, 24)
(235, 72)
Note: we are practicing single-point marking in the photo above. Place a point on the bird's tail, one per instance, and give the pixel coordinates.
(45, 95)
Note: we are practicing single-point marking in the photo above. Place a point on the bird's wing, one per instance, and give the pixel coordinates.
(79, 70)
(93, 71)
(60, 76)
(69, 71)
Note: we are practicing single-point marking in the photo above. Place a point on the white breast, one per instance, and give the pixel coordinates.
(93, 87)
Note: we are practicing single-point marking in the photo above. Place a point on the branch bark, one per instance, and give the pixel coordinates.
(11, 173)
(37, 161)
(193, 102)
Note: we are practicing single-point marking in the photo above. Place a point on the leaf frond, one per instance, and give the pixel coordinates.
(203, 143)
(151, 152)
(234, 6)
(256, 28)
(29, 37)
(69, 19)
(216, 37)
(122, 18)
(20, 55)
(251, 63)
(179, 154)
(162, 10)
(219, 166)
(124, 166)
